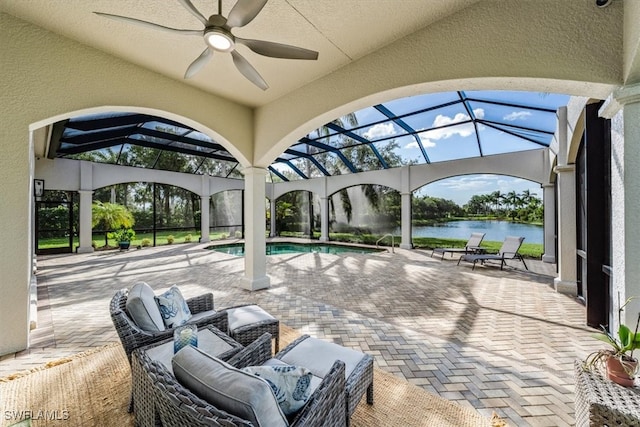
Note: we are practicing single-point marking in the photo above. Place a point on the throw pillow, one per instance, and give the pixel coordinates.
(143, 308)
(290, 384)
(173, 308)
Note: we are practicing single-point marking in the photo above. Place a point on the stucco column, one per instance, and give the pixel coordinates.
(623, 108)
(549, 203)
(405, 221)
(86, 228)
(324, 219)
(272, 208)
(204, 219)
(86, 199)
(567, 280)
(255, 258)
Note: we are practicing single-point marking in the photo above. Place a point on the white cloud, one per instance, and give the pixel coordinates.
(380, 131)
(463, 130)
(517, 115)
(410, 145)
(427, 142)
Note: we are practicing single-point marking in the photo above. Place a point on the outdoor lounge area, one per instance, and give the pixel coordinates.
(490, 340)
(247, 120)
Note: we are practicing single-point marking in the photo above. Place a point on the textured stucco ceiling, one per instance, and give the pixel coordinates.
(340, 31)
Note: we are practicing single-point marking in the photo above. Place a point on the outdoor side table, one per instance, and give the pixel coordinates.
(477, 250)
(601, 402)
(211, 340)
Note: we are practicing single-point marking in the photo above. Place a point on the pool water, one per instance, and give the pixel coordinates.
(296, 248)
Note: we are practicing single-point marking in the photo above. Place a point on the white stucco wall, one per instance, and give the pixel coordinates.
(74, 175)
(531, 165)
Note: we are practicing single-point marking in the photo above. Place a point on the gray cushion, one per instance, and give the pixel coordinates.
(246, 315)
(227, 388)
(143, 309)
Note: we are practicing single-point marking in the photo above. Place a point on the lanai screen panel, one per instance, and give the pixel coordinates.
(421, 129)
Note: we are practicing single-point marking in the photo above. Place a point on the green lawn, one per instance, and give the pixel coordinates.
(529, 250)
(161, 239)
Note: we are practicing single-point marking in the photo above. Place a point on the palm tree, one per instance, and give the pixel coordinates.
(111, 216)
(496, 199)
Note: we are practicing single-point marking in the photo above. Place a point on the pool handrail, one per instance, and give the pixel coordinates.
(392, 242)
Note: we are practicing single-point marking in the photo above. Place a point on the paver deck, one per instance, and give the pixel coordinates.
(492, 340)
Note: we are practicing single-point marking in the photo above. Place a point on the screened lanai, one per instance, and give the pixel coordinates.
(428, 132)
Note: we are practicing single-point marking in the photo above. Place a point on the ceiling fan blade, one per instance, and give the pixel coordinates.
(192, 10)
(150, 24)
(248, 71)
(244, 11)
(199, 62)
(278, 50)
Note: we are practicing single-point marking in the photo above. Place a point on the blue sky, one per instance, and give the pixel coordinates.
(506, 121)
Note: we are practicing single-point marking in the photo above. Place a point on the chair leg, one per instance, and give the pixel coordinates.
(525, 264)
(474, 264)
(370, 394)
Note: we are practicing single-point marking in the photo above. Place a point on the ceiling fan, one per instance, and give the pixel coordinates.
(218, 38)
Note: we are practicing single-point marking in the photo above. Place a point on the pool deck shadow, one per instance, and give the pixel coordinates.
(488, 339)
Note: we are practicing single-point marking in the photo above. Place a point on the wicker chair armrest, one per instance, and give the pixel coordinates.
(255, 354)
(288, 348)
(326, 406)
(238, 306)
(200, 303)
(219, 319)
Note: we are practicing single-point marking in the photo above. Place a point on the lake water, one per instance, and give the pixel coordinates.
(495, 230)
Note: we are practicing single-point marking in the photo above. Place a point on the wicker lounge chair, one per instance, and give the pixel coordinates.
(471, 247)
(132, 336)
(173, 405)
(305, 351)
(508, 250)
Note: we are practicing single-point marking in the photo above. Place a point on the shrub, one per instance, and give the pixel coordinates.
(187, 238)
(170, 239)
(223, 236)
(145, 243)
(238, 234)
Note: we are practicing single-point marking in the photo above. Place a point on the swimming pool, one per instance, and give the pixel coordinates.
(296, 248)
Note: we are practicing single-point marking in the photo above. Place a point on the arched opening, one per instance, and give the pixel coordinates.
(363, 213)
(447, 211)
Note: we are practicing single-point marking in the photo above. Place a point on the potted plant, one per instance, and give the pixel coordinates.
(123, 236)
(621, 365)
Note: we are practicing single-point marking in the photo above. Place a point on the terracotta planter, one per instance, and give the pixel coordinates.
(618, 371)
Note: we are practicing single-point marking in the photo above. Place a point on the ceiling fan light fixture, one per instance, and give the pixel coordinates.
(219, 39)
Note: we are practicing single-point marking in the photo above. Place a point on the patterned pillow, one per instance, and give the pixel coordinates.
(290, 384)
(173, 308)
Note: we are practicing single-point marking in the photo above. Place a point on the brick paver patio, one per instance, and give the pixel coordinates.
(492, 340)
